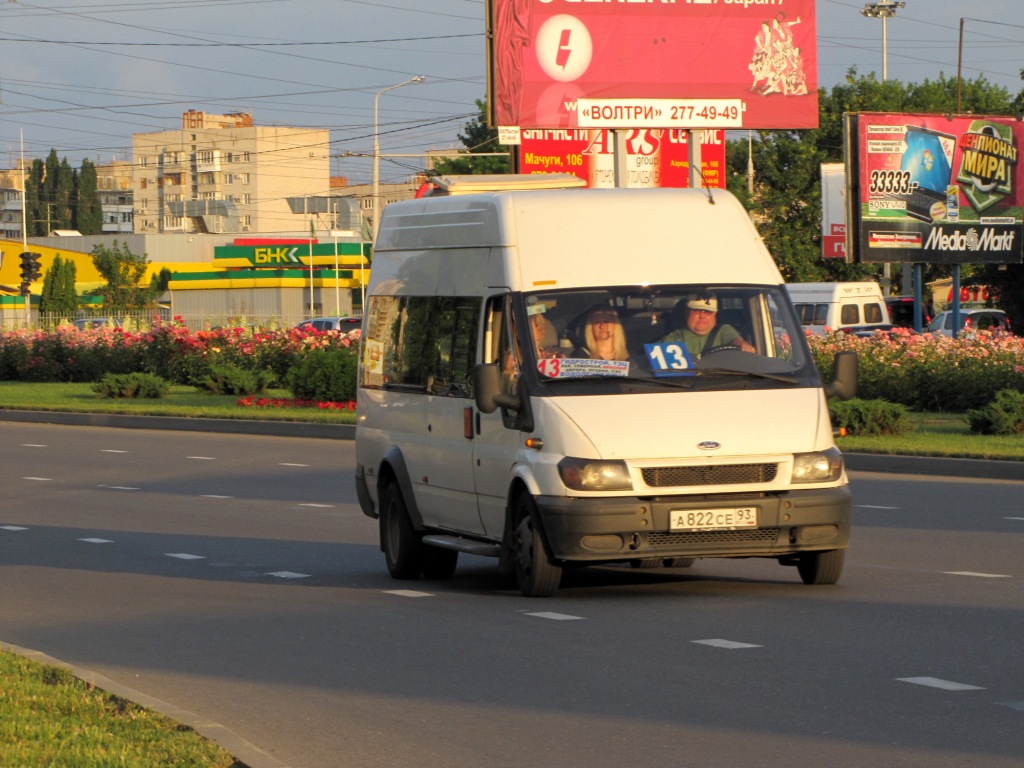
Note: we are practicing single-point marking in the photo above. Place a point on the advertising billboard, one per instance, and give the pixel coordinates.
(833, 211)
(669, 64)
(654, 158)
(936, 188)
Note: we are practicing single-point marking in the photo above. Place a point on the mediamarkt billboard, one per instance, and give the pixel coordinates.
(937, 189)
(654, 158)
(639, 63)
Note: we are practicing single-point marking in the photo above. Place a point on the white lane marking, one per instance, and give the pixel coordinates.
(317, 506)
(873, 506)
(1018, 705)
(1014, 518)
(407, 593)
(111, 450)
(286, 464)
(935, 682)
(33, 445)
(121, 488)
(214, 496)
(44, 479)
(184, 556)
(14, 527)
(729, 644)
(289, 575)
(202, 458)
(555, 616)
(97, 541)
(978, 575)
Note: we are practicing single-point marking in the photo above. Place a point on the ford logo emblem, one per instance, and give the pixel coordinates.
(709, 445)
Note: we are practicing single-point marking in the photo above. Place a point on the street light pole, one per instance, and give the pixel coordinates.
(376, 151)
(886, 9)
(883, 9)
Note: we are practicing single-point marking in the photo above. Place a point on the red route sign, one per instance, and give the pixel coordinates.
(654, 158)
(547, 54)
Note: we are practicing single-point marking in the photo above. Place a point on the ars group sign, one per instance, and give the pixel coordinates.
(679, 64)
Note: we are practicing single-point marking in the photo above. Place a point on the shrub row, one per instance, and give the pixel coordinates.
(928, 373)
(228, 360)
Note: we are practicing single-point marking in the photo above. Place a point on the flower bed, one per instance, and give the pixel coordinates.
(926, 372)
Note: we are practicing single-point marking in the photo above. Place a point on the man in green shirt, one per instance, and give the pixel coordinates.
(702, 331)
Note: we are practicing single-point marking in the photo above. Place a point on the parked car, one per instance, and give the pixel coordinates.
(971, 320)
(96, 322)
(901, 312)
(346, 324)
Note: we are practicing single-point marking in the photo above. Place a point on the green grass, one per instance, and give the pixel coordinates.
(187, 402)
(50, 718)
(939, 434)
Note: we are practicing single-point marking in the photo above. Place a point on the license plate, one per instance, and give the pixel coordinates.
(713, 519)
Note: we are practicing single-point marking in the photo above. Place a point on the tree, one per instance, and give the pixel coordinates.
(477, 138)
(88, 208)
(35, 210)
(58, 297)
(123, 271)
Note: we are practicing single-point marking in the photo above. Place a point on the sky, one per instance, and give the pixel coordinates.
(81, 76)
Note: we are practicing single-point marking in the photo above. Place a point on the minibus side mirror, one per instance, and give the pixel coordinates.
(844, 378)
(487, 390)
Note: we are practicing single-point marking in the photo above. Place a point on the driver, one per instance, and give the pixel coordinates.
(702, 332)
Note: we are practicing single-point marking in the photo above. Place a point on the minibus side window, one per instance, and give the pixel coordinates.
(500, 345)
(849, 314)
(872, 313)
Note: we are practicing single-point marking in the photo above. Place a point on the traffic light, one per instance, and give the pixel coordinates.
(30, 269)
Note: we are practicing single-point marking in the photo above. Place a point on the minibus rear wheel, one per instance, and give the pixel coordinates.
(402, 544)
(536, 575)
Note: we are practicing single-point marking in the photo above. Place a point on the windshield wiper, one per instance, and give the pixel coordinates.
(784, 378)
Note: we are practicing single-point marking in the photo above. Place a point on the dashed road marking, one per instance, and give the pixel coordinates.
(317, 506)
(1014, 518)
(289, 575)
(407, 593)
(43, 479)
(97, 541)
(214, 496)
(184, 556)
(935, 682)
(112, 450)
(555, 616)
(978, 575)
(202, 458)
(14, 527)
(286, 464)
(727, 644)
(1018, 705)
(33, 445)
(873, 506)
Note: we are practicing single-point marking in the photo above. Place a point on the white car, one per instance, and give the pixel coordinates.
(971, 320)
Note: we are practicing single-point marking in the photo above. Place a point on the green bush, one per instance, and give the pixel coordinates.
(1002, 416)
(133, 385)
(870, 417)
(227, 379)
(324, 375)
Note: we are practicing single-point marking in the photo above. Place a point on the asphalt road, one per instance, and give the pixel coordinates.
(235, 578)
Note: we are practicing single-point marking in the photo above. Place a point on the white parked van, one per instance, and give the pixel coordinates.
(826, 307)
(531, 388)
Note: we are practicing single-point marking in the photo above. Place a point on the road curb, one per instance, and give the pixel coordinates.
(243, 751)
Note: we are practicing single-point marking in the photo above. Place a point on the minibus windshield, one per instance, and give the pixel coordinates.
(677, 334)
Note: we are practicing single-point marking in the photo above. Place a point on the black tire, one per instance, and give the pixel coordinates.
(679, 562)
(536, 575)
(401, 543)
(439, 564)
(821, 567)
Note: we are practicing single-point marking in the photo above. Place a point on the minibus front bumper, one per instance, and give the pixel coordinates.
(607, 529)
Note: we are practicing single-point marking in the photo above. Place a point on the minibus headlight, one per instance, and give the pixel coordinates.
(818, 467)
(591, 475)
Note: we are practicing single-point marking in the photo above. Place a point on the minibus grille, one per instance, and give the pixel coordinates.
(713, 537)
(715, 474)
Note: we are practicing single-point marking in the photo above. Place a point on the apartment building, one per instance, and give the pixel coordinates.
(114, 186)
(224, 174)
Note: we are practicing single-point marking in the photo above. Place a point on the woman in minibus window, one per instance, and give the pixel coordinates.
(604, 338)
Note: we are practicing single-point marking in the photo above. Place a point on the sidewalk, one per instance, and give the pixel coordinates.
(856, 462)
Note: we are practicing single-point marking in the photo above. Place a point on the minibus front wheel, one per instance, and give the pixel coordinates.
(536, 575)
(821, 567)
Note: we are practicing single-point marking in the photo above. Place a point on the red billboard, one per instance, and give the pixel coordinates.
(654, 158)
(670, 64)
(937, 188)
